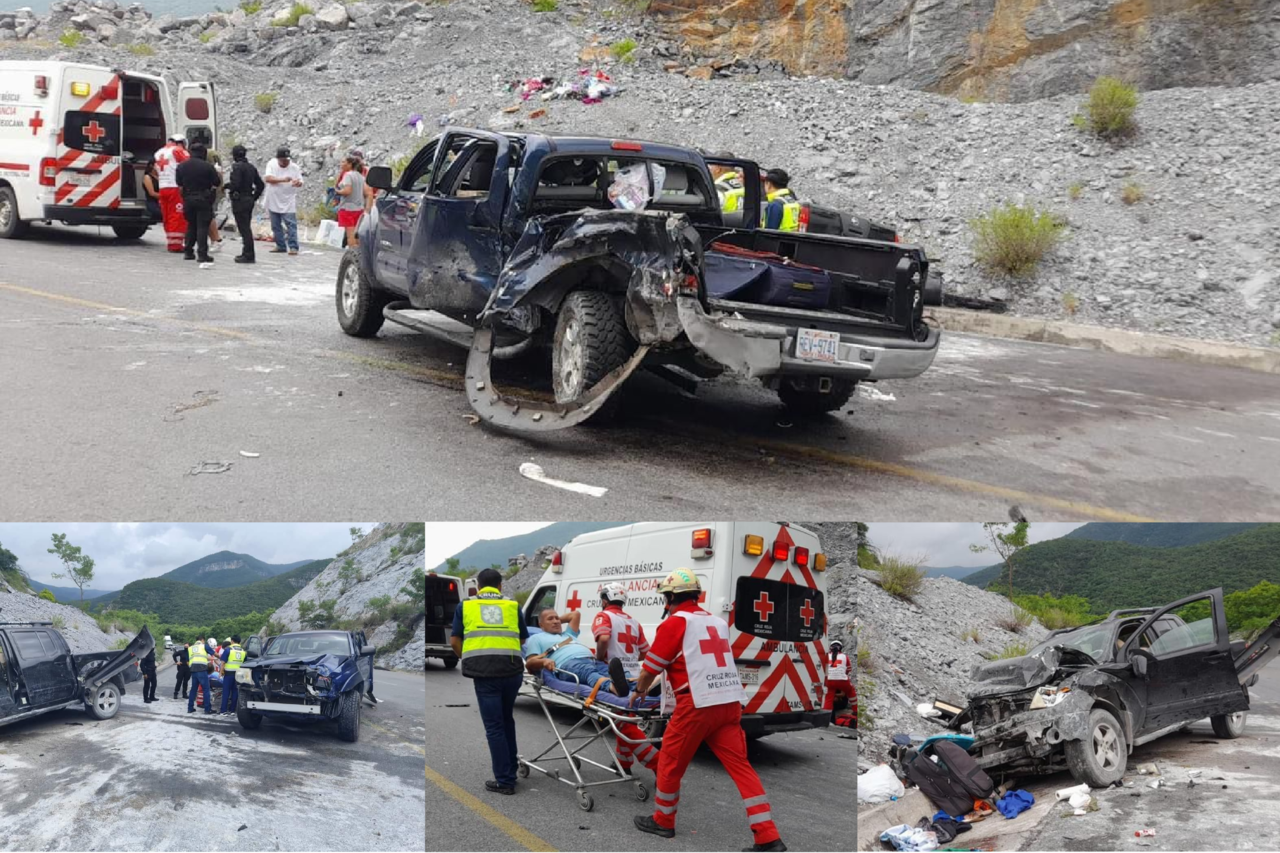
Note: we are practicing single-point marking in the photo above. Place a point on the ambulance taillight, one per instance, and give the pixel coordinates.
(42, 85)
(781, 550)
(557, 562)
(701, 543)
(48, 172)
(801, 557)
(753, 546)
(819, 562)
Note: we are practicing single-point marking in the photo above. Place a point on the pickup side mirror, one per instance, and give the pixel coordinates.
(379, 177)
(1138, 660)
(368, 650)
(250, 654)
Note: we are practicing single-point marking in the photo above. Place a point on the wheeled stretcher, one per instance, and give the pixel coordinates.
(603, 714)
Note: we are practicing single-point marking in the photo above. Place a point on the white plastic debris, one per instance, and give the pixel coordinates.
(1079, 801)
(534, 472)
(927, 710)
(879, 785)
(249, 454)
(1068, 793)
(1156, 783)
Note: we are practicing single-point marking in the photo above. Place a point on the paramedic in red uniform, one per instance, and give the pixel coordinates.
(166, 162)
(692, 647)
(619, 635)
(837, 676)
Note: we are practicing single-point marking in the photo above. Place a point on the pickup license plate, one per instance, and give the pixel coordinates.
(78, 180)
(817, 345)
(749, 676)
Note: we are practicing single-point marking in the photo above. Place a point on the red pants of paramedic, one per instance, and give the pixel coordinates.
(834, 687)
(175, 223)
(720, 726)
(629, 752)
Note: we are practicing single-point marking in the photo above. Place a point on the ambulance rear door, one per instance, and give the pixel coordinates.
(87, 165)
(777, 621)
(197, 114)
(443, 595)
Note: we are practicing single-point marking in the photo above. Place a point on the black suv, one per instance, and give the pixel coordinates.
(1085, 697)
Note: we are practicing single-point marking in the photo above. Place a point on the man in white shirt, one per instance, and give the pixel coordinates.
(283, 177)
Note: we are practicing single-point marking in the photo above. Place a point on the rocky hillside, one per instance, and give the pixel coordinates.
(994, 49)
(361, 588)
(922, 650)
(81, 632)
(1193, 255)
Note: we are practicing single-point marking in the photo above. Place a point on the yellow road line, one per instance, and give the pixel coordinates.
(454, 381)
(513, 830)
(129, 312)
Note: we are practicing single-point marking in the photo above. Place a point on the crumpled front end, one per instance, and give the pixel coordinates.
(1024, 731)
(302, 686)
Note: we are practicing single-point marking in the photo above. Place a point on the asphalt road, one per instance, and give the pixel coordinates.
(156, 778)
(125, 368)
(807, 775)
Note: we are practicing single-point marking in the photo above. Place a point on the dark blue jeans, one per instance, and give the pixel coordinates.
(497, 700)
(230, 690)
(199, 679)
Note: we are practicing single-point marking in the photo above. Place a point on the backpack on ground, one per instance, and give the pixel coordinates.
(964, 769)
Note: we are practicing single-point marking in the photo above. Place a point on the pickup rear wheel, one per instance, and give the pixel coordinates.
(103, 702)
(1228, 726)
(1100, 758)
(248, 719)
(359, 303)
(349, 716)
(450, 663)
(808, 399)
(10, 225)
(591, 341)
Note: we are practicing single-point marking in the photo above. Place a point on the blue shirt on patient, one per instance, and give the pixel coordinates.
(539, 643)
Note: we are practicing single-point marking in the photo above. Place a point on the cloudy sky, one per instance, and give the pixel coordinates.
(944, 545)
(130, 552)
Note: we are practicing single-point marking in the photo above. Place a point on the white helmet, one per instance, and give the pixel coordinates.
(615, 592)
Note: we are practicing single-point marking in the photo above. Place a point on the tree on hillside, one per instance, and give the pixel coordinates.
(357, 533)
(79, 566)
(1005, 542)
(868, 557)
(12, 572)
(451, 565)
(416, 590)
(48, 596)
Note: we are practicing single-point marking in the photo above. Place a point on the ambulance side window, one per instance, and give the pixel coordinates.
(545, 597)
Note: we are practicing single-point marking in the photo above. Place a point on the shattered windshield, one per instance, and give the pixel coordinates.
(1093, 640)
(308, 645)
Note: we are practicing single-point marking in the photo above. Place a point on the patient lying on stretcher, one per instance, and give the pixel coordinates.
(556, 650)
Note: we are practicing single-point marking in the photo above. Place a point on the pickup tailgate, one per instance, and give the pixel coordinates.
(1259, 653)
(94, 676)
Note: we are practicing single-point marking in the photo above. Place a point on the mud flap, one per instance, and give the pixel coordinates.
(526, 416)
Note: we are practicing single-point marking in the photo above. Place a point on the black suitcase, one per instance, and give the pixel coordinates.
(942, 789)
(964, 769)
(792, 285)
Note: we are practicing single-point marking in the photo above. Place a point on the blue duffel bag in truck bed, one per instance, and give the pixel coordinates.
(764, 278)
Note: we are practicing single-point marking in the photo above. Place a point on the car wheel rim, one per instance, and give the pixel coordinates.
(350, 290)
(1236, 720)
(1106, 747)
(106, 701)
(571, 358)
(6, 214)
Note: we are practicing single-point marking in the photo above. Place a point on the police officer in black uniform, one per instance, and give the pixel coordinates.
(245, 187)
(199, 181)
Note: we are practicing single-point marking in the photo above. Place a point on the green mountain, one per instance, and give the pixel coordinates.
(1114, 574)
(1161, 535)
(226, 569)
(67, 594)
(486, 552)
(186, 603)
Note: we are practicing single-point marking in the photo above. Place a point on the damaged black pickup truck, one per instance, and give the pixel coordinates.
(1085, 697)
(39, 673)
(613, 255)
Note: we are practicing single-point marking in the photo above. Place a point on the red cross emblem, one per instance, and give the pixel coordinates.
(35, 124)
(574, 602)
(702, 597)
(717, 646)
(94, 131)
(628, 640)
(162, 162)
(807, 613)
(764, 607)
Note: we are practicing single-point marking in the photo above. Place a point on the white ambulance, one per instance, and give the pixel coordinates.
(444, 594)
(766, 579)
(76, 140)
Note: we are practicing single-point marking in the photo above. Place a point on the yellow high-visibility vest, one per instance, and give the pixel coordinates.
(790, 210)
(199, 655)
(234, 658)
(490, 635)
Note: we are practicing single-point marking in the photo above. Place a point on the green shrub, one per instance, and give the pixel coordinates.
(1075, 191)
(545, 5)
(265, 101)
(900, 577)
(121, 643)
(1017, 621)
(1013, 650)
(141, 48)
(48, 595)
(251, 7)
(866, 689)
(207, 36)
(1131, 193)
(1070, 303)
(1014, 239)
(1069, 611)
(59, 622)
(624, 50)
(317, 616)
(296, 11)
(1109, 111)
(971, 635)
(71, 38)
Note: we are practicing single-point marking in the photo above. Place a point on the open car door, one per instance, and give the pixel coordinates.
(733, 211)
(89, 146)
(197, 117)
(1258, 654)
(130, 654)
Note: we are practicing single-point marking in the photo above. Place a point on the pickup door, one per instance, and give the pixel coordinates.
(45, 667)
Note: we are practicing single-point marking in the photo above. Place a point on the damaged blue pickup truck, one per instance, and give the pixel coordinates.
(615, 256)
(307, 676)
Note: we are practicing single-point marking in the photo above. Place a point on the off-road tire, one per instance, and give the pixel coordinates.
(11, 227)
(808, 402)
(104, 702)
(450, 663)
(1229, 726)
(1100, 759)
(358, 301)
(591, 324)
(349, 717)
(248, 719)
(129, 232)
